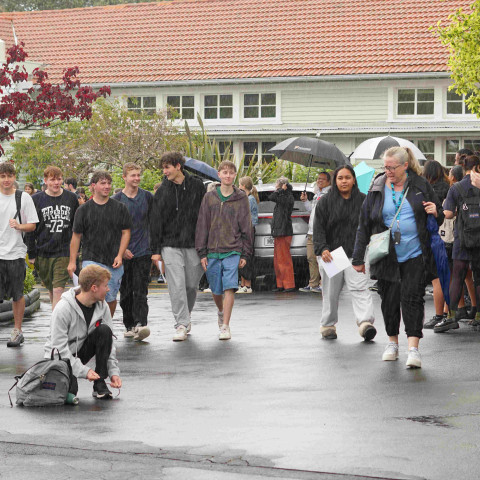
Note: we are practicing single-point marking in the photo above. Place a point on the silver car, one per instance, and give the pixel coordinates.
(264, 239)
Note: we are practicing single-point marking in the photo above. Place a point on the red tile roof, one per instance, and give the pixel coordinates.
(229, 39)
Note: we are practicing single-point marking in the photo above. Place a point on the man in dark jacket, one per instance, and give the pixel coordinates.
(282, 232)
(172, 224)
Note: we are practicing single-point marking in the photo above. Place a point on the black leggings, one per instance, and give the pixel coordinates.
(460, 268)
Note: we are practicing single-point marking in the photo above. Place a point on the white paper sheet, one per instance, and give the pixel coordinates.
(75, 280)
(339, 263)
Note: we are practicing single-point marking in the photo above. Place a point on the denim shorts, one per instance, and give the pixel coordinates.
(115, 280)
(223, 274)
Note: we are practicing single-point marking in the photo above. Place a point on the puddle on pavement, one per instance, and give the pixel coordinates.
(454, 420)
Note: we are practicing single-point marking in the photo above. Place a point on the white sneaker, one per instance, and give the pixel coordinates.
(220, 319)
(244, 290)
(180, 334)
(16, 338)
(391, 352)
(129, 333)
(224, 333)
(141, 332)
(207, 290)
(414, 359)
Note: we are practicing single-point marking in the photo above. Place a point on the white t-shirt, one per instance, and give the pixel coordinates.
(11, 240)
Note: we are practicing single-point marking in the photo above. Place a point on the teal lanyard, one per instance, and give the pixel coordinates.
(400, 197)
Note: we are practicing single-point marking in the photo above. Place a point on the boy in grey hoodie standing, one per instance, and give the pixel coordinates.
(82, 328)
(224, 241)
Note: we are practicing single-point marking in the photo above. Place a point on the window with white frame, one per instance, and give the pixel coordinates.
(259, 105)
(223, 146)
(415, 101)
(258, 150)
(137, 104)
(266, 155)
(250, 151)
(456, 104)
(217, 107)
(451, 148)
(426, 146)
(184, 105)
(472, 144)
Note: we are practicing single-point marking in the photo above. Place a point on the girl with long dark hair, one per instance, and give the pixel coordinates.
(336, 221)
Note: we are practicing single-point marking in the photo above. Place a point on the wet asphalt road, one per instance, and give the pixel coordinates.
(274, 402)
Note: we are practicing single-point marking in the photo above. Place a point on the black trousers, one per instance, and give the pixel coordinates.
(99, 345)
(459, 272)
(405, 298)
(134, 291)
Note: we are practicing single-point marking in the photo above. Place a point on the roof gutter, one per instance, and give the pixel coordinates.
(305, 78)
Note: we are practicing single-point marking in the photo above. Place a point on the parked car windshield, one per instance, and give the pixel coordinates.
(266, 206)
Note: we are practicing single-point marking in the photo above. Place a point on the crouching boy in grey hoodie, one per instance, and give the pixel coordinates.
(82, 328)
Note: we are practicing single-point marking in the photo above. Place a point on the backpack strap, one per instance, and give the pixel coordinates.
(52, 356)
(12, 387)
(18, 202)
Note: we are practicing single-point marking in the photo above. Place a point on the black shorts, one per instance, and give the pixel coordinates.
(12, 276)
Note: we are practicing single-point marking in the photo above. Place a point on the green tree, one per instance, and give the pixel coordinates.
(31, 5)
(461, 35)
(111, 138)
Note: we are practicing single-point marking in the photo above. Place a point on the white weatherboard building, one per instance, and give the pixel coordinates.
(260, 72)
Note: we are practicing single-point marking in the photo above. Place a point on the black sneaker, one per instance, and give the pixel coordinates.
(277, 289)
(471, 313)
(461, 314)
(433, 321)
(446, 324)
(101, 391)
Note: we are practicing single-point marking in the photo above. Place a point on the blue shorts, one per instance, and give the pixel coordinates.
(115, 280)
(223, 274)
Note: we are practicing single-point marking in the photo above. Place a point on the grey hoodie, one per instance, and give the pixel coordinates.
(68, 332)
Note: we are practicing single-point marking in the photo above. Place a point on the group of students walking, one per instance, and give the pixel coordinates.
(194, 232)
(190, 231)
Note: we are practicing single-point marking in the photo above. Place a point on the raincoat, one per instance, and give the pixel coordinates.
(282, 213)
(174, 214)
(371, 222)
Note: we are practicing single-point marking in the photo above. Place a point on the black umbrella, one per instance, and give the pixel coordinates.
(201, 168)
(310, 152)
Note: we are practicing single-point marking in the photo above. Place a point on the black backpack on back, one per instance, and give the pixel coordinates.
(468, 216)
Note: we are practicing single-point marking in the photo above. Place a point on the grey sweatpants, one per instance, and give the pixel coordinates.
(183, 271)
(360, 294)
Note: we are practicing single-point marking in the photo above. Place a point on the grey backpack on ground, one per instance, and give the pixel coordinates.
(44, 384)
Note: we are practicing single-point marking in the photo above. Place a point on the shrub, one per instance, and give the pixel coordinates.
(29, 282)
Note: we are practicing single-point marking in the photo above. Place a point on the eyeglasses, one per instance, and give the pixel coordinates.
(390, 169)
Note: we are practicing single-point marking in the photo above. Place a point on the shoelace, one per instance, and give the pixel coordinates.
(118, 394)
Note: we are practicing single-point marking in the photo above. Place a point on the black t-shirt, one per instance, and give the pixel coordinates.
(101, 229)
(53, 233)
(87, 312)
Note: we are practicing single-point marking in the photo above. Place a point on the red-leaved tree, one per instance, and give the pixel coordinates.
(42, 103)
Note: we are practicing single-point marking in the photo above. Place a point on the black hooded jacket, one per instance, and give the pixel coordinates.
(336, 221)
(441, 188)
(371, 222)
(174, 214)
(282, 213)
